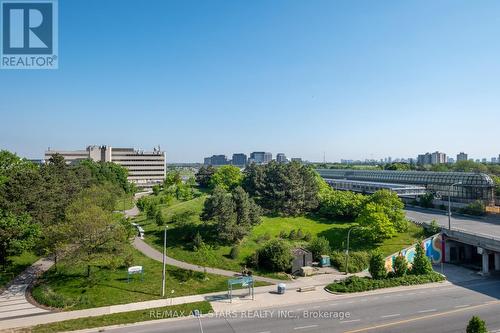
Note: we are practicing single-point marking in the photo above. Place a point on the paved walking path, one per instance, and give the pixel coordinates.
(154, 254)
(13, 301)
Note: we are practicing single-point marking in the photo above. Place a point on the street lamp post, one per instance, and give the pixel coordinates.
(449, 203)
(347, 250)
(164, 262)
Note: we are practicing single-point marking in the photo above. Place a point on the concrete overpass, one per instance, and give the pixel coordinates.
(471, 240)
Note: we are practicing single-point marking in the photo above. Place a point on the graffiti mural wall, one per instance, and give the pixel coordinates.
(432, 246)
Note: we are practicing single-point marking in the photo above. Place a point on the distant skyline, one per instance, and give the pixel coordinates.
(353, 79)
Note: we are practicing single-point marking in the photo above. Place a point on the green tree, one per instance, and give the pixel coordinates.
(204, 175)
(156, 189)
(233, 214)
(376, 224)
(421, 263)
(426, 200)
(287, 189)
(319, 246)
(400, 266)
(341, 204)
(206, 256)
(476, 325)
(276, 256)
(95, 237)
(17, 234)
(253, 182)
(197, 241)
(159, 219)
(108, 172)
(392, 206)
(377, 266)
(227, 177)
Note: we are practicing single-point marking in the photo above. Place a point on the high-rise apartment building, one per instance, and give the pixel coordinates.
(145, 169)
(260, 157)
(216, 160)
(438, 158)
(424, 159)
(281, 158)
(239, 159)
(462, 157)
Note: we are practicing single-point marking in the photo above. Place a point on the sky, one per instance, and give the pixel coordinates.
(346, 79)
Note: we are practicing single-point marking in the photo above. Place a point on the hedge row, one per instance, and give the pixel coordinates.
(357, 284)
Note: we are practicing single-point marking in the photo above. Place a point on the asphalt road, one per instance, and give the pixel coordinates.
(443, 308)
(488, 225)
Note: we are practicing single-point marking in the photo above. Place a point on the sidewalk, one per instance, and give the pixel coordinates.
(13, 301)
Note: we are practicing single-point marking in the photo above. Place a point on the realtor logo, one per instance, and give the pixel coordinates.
(29, 34)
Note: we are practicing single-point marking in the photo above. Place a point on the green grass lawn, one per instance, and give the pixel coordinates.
(179, 245)
(69, 289)
(124, 318)
(16, 265)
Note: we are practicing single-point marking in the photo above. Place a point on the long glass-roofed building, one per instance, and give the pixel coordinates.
(474, 186)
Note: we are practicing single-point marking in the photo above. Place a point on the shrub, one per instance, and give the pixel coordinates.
(275, 256)
(264, 237)
(358, 284)
(358, 261)
(283, 234)
(308, 237)
(197, 241)
(421, 264)
(252, 260)
(159, 219)
(476, 325)
(300, 234)
(235, 251)
(319, 246)
(426, 200)
(45, 295)
(377, 266)
(292, 234)
(476, 208)
(434, 228)
(400, 266)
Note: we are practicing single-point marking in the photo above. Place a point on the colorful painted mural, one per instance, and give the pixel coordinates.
(431, 245)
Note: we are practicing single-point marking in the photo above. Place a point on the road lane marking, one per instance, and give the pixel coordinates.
(428, 310)
(349, 321)
(462, 306)
(440, 314)
(304, 327)
(391, 315)
(265, 332)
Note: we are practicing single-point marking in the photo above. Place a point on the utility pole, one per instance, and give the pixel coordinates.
(164, 262)
(347, 250)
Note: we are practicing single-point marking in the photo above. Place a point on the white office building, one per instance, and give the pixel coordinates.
(145, 169)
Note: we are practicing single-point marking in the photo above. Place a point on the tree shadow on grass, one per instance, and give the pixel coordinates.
(128, 289)
(181, 236)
